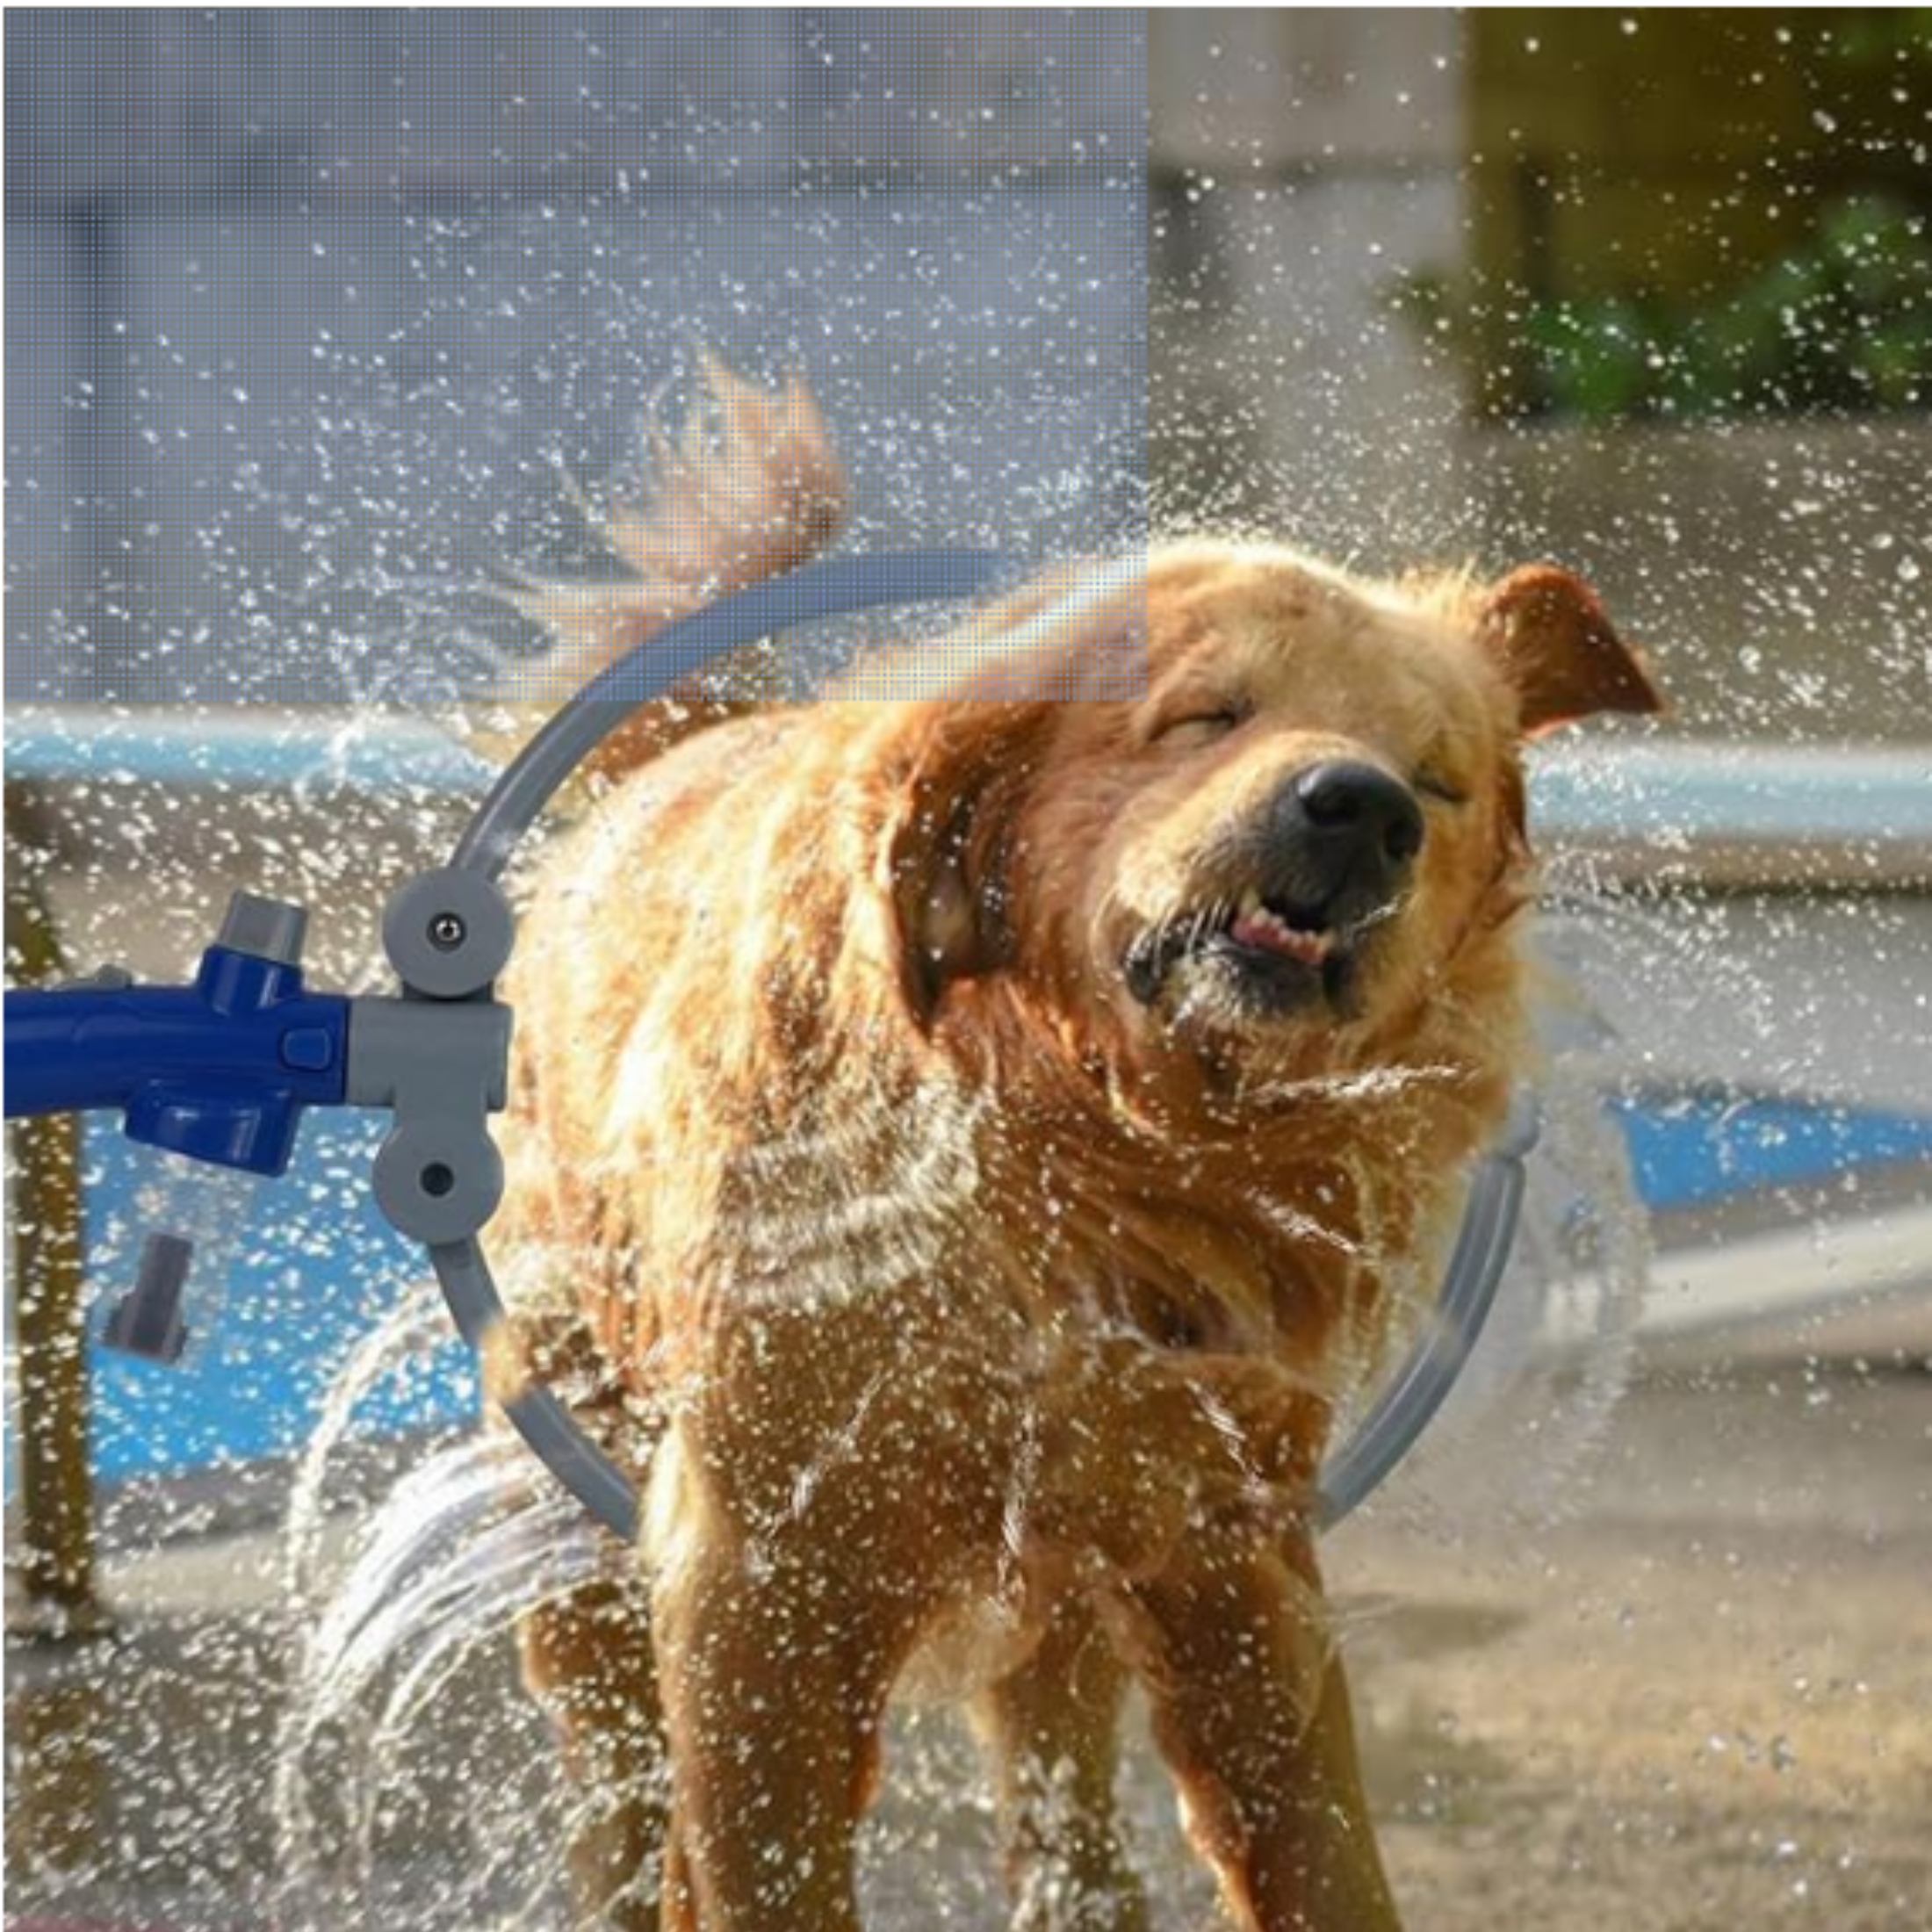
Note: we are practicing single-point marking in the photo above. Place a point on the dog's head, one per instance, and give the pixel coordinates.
(1308, 817)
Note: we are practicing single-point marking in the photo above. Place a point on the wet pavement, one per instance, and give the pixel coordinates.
(1702, 1698)
(1697, 1703)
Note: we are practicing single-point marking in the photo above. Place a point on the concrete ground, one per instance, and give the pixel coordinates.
(1700, 1703)
(1705, 1699)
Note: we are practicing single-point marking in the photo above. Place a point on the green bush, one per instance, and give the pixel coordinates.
(1842, 323)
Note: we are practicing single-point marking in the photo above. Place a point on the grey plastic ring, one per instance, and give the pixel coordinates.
(831, 588)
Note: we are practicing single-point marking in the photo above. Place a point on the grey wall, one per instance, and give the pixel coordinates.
(306, 310)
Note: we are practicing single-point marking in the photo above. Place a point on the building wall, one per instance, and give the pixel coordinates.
(307, 309)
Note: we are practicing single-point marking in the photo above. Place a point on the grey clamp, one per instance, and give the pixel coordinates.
(438, 1056)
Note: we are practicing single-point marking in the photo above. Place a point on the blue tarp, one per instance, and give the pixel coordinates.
(320, 1267)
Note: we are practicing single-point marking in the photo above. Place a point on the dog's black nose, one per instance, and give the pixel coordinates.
(1342, 835)
(1361, 806)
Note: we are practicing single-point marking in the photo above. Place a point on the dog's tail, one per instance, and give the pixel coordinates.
(749, 489)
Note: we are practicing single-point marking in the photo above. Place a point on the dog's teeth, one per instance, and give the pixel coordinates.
(1251, 905)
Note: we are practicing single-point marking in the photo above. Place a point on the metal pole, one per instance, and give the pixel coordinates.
(54, 1570)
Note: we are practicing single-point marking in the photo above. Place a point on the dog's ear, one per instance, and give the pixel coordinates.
(952, 839)
(1547, 629)
(972, 750)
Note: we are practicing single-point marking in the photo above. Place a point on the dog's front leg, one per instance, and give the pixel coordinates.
(774, 1680)
(1051, 1728)
(1251, 1712)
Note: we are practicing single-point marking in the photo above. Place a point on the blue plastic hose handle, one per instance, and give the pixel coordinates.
(220, 1069)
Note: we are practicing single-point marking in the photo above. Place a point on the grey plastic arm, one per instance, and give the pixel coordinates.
(1409, 1404)
(542, 1422)
(832, 588)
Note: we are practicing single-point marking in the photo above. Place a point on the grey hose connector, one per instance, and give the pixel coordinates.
(1410, 1402)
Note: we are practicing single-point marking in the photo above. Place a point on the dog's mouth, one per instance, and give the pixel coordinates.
(1273, 954)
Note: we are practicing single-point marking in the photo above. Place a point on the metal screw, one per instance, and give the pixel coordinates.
(447, 931)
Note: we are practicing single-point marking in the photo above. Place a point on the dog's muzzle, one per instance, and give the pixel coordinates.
(1329, 855)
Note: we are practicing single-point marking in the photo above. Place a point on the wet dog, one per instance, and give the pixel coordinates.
(970, 1133)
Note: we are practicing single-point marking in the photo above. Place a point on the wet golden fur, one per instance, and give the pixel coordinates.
(969, 1317)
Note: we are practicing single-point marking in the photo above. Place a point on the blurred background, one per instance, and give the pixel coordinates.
(1648, 290)
(317, 323)
(315, 315)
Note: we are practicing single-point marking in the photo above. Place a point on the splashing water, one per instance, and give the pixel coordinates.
(413, 1775)
(424, 1592)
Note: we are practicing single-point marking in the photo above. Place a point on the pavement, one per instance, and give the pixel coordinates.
(1701, 1698)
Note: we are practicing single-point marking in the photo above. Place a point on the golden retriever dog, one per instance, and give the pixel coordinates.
(971, 1133)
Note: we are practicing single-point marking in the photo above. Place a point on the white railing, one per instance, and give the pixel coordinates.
(1726, 814)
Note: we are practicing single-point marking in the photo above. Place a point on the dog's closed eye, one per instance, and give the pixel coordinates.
(1201, 724)
(1437, 785)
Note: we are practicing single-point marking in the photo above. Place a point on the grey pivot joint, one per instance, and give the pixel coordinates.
(438, 1056)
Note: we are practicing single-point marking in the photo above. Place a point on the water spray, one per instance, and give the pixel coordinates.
(215, 1077)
